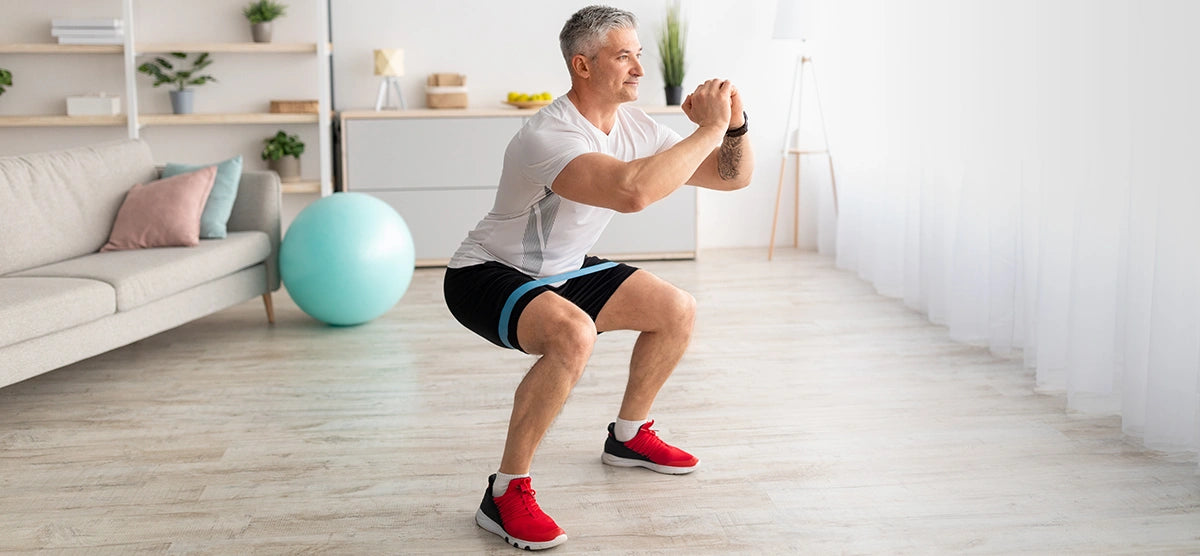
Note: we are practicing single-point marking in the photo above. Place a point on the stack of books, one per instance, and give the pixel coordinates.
(88, 31)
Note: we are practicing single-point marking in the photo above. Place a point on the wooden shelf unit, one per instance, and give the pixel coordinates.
(312, 186)
(135, 120)
(161, 48)
(53, 48)
(158, 119)
(228, 47)
(61, 121)
(220, 119)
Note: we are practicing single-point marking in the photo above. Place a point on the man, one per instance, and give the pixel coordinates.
(522, 279)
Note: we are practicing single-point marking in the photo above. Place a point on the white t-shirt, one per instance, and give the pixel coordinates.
(532, 229)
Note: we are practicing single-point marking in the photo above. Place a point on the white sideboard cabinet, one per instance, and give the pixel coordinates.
(440, 168)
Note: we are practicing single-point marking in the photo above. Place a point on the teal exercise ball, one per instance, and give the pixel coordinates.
(347, 259)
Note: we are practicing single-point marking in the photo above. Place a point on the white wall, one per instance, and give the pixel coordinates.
(500, 47)
(503, 47)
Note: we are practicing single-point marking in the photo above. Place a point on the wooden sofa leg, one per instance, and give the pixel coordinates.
(270, 307)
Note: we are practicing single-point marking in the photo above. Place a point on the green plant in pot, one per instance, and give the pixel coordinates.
(261, 13)
(163, 72)
(282, 153)
(5, 80)
(672, 43)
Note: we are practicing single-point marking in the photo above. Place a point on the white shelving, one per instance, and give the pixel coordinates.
(135, 120)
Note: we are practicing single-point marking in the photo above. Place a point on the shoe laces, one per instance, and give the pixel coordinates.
(646, 443)
(523, 502)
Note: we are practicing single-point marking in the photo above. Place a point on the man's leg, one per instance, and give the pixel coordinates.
(665, 316)
(563, 335)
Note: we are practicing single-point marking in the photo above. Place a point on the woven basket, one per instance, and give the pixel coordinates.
(293, 107)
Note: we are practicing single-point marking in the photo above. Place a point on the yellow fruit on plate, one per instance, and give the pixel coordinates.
(543, 96)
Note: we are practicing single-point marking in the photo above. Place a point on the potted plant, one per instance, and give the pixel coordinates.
(261, 13)
(5, 80)
(672, 41)
(163, 71)
(282, 153)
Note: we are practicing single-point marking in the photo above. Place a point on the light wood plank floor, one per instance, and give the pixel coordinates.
(828, 419)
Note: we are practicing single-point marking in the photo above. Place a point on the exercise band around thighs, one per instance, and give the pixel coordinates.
(506, 312)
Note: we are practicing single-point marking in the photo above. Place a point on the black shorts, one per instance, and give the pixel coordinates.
(477, 295)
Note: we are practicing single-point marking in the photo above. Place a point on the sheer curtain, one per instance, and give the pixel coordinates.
(1024, 172)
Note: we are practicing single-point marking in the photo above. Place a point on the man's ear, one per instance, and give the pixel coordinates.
(581, 65)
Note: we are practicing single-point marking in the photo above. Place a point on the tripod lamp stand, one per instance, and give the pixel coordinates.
(789, 22)
(389, 63)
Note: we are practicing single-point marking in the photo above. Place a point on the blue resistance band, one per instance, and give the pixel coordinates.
(506, 312)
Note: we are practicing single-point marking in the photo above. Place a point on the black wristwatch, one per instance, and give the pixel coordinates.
(740, 131)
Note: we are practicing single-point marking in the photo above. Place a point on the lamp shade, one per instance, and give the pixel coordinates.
(389, 62)
(793, 19)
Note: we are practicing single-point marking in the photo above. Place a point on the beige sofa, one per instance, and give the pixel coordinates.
(62, 301)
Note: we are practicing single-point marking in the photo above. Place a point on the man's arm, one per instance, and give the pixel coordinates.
(731, 165)
(727, 167)
(601, 180)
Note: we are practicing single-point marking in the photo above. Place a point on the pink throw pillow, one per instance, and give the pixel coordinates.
(162, 213)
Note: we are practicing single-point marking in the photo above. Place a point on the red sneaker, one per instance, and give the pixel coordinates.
(647, 450)
(517, 518)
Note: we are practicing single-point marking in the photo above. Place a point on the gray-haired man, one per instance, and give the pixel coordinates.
(522, 279)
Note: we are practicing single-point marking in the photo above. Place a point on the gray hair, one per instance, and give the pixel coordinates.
(587, 30)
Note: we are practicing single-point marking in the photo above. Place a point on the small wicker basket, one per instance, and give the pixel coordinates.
(293, 107)
(446, 90)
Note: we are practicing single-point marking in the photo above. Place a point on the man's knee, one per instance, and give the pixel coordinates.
(570, 340)
(574, 342)
(681, 308)
(565, 333)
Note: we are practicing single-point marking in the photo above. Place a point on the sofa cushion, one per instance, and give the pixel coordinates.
(162, 213)
(220, 199)
(32, 307)
(58, 205)
(145, 275)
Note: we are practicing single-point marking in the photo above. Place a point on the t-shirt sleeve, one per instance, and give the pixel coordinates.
(667, 137)
(545, 152)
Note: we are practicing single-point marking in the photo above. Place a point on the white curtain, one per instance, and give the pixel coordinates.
(1027, 173)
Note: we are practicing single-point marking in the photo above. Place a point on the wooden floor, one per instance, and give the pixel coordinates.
(828, 420)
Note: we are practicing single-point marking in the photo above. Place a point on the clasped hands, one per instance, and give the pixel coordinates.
(716, 103)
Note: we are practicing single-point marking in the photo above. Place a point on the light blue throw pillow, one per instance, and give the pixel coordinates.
(220, 201)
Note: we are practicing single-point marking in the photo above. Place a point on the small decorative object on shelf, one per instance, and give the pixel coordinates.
(282, 153)
(163, 71)
(389, 64)
(93, 105)
(5, 80)
(261, 13)
(672, 42)
(92, 30)
(446, 90)
(293, 107)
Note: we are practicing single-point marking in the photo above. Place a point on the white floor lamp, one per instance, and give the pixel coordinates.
(791, 22)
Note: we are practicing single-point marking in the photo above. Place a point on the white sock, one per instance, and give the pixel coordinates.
(501, 484)
(626, 430)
